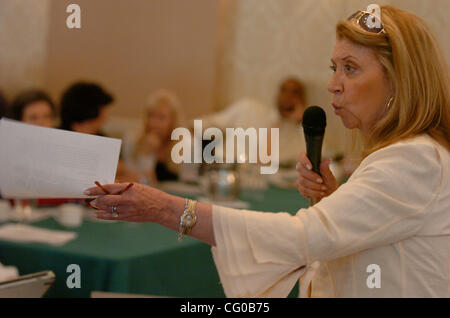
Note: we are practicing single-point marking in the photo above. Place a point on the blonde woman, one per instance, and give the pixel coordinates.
(391, 219)
(148, 153)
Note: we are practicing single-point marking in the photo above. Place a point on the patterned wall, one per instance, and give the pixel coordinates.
(23, 43)
(262, 42)
(270, 39)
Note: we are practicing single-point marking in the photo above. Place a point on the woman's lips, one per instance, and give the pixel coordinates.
(335, 105)
(337, 109)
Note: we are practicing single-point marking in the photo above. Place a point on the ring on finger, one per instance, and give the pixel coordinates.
(114, 211)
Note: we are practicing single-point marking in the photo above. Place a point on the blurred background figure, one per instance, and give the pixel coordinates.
(147, 152)
(291, 100)
(287, 115)
(33, 107)
(3, 105)
(290, 103)
(84, 108)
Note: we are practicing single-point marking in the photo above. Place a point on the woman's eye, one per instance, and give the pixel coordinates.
(349, 68)
(333, 68)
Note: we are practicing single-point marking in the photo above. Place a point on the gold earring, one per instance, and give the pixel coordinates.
(390, 102)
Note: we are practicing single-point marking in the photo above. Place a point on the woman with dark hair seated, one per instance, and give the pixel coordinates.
(33, 107)
(83, 108)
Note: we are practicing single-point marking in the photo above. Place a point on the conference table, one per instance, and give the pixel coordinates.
(136, 258)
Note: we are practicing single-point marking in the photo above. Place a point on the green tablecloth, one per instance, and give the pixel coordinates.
(138, 258)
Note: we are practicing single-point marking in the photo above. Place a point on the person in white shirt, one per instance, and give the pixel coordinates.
(286, 115)
(386, 231)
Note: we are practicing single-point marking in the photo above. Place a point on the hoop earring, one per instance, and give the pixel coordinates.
(390, 102)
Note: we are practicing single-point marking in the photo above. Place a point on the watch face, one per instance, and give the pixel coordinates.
(188, 219)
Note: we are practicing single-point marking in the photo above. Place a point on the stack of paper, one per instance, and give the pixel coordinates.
(27, 233)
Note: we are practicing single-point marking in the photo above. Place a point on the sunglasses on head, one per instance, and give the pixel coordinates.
(370, 20)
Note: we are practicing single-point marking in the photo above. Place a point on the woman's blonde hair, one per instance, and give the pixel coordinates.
(419, 77)
(171, 100)
(153, 101)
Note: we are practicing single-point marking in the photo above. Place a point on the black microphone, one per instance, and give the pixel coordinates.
(314, 122)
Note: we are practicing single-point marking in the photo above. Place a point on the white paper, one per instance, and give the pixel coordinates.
(39, 162)
(8, 273)
(27, 233)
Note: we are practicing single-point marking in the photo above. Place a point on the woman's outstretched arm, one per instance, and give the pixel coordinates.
(142, 203)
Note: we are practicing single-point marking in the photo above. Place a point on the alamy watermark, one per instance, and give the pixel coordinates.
(258, 151)
(74, 279)
(374, 279)
(73, 21)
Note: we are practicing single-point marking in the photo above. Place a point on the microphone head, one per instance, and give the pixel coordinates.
(314, 121)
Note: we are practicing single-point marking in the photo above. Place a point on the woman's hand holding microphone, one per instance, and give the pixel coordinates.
(311, 184)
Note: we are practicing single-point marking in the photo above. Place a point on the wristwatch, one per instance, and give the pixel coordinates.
(187, 219)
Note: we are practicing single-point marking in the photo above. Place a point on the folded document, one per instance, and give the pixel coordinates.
(39, 162)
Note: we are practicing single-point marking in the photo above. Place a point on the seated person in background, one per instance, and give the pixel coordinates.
(147, 153)
(33, 107)
(287, 116)
(291, 100)
(290, 103)
(83, 108)
(3, 105)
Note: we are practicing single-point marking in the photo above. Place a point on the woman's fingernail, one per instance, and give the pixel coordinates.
(324, 188)
(308, 166)
(322, 194)
(87, 192)
(319, 180)
(94, 203)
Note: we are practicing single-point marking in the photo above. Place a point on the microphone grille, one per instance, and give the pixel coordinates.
(314, 121)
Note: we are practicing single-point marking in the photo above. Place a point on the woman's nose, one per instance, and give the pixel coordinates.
(334, 85)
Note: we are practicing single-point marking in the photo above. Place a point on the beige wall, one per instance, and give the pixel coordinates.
(134, 47)
(271, 39)
(23, 44)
